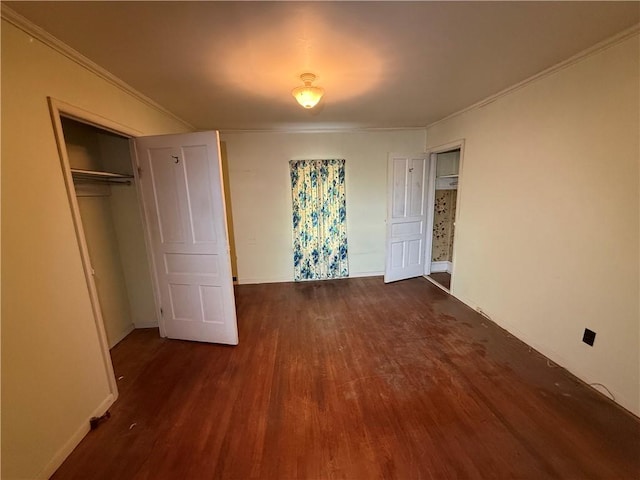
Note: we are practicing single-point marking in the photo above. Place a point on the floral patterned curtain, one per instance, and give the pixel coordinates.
(319, 219)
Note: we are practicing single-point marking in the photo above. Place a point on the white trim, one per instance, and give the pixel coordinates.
(430, 192)
(46, 38)
(148, 243)
(62, 48)
(588, 377)
(326, 130)
(139, 325)
(446, 183)
(366, 274)
(57, 110)
(441, 287)
(593, 50)
(445, 147)
(456, 220)
(73, 441)
(256, 281)
(442, 266)
(68, 110)
(60, 109)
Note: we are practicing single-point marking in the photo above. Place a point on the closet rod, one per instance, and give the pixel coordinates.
(86, 176)
(99, 181)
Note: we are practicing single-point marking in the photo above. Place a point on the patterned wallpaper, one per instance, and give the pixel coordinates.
(445, 214)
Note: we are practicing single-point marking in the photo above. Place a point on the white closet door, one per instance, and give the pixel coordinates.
(183, 197)
(406, 216)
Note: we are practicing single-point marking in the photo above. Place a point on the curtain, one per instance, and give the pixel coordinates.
(319, 219)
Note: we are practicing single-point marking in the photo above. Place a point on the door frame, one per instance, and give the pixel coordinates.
(58, 109)
(431, 192)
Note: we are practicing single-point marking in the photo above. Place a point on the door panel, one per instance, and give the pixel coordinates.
(406, 216)
(201, 208)
(183, 197)
(416, 188)
(166, 196)
(399, 189)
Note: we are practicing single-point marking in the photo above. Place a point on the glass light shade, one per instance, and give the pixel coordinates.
(308, 96)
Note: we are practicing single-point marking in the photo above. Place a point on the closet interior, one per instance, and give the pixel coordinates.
(444, 215)
(110, 213)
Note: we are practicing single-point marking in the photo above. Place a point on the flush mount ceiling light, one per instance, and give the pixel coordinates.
(308, 96)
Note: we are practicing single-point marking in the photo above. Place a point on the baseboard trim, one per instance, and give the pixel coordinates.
(146, 325)
(438, 285)
(62, 454)
(588, 377)
(365, 274)
(254, 281)
(445, 266)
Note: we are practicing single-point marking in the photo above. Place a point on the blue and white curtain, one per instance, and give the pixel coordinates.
(319, 219)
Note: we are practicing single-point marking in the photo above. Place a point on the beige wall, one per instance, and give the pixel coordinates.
(99, 230)
(260, 189)
(53, 378)
(547, 238)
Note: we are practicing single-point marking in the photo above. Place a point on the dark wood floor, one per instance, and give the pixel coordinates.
(353, 379)
(443, 278)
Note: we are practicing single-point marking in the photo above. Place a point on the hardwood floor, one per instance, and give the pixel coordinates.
(353, 379)
(443, 278)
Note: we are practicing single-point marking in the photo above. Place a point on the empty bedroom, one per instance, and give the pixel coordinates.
(320, 240)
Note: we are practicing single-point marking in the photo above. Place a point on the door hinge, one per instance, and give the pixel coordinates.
(161, 312)
(139, 172)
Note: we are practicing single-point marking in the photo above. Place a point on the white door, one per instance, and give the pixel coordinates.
(182, 193)
(406, 216)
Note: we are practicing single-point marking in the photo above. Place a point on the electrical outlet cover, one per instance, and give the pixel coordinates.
(589, 336)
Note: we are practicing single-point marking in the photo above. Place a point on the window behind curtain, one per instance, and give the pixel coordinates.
(319, 219)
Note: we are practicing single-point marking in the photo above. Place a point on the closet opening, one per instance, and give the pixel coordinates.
(98, 169)
(443, 212)
(150, 221)
(103, 180)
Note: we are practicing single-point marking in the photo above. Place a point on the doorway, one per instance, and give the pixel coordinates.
(123, 218)
(96, 163)
(443, 209)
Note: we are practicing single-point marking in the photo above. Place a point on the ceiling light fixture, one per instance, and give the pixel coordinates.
(308, 96)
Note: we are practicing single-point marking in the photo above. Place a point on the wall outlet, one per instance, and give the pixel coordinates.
(589, 336)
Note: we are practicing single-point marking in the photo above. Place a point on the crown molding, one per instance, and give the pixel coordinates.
(38, 33)
(302, 130)
(57, 45)
(593, 50)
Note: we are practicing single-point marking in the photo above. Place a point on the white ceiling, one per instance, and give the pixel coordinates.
(232, 65)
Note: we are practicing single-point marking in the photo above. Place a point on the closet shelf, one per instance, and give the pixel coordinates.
(100, 177)
(453, 175)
